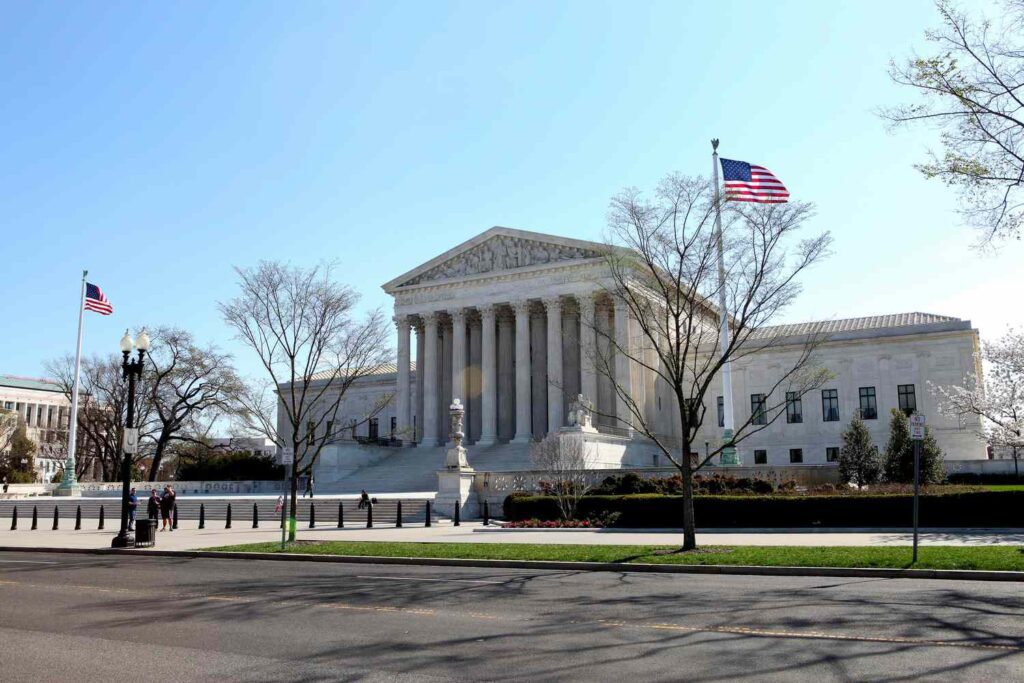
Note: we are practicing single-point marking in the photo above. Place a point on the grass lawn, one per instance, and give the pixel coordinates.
(1004, 487)
(929, 557)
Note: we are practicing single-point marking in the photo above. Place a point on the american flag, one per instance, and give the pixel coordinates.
(749, 183)
(95, 301)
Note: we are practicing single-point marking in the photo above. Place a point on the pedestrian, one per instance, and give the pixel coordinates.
(5, 484)
(166, 508)
(279, 506)
(153, 505)
(309, 487)
(133, 506)
(364, 499)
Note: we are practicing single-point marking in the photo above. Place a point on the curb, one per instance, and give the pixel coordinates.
(1011, 531)
(721, 569)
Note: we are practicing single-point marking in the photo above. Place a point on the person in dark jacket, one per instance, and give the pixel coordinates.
(153, 505)
(167, 508)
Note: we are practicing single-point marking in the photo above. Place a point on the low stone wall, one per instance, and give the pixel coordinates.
(981, 466)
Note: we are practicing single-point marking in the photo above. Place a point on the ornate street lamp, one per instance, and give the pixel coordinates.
(131, 370)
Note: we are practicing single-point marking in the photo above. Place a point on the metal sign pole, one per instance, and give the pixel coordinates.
(287, 459)
(916, 436)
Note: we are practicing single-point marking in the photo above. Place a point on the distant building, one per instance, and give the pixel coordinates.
(43, 408)
(255, 445)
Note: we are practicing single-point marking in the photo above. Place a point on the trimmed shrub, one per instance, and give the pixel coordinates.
(976, 478)
(976, 509)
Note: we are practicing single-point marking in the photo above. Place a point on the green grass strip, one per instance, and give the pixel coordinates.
(1005, 558)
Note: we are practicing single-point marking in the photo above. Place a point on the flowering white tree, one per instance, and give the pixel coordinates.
(997, 398)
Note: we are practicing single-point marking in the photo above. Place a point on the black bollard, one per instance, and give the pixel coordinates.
(56, 518)
(202, 516)
(369, 515)
(255, 517)
(458, 521)
(312, 516)
(14, 519)
(100, 525)
(398, 516)
(227, 522)
(78, 518)
(174, 517)
(35, 518)
(428, 514)
(486, 514)
(341, 515)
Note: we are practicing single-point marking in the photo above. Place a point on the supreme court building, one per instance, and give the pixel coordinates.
(510, 322)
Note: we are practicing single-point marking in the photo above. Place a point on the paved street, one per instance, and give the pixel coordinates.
(98, 618)
(188, 537)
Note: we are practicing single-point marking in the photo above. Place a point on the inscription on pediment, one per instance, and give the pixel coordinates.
(502, 253)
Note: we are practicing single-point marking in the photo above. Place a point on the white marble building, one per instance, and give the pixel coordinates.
(44, 409)
(506, 322)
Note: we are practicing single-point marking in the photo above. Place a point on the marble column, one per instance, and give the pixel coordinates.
(459, 354)
(555, 384)
(418, 409)
(506, 376)
(623, 367)
(588, 348)
(522, 310)
(488, 378)
(430, 388)
(403, 422)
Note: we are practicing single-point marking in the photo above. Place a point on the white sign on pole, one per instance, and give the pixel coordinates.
(131, 440)
(917, 427)
(287, 455)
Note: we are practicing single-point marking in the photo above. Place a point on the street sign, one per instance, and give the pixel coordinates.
(917, 427)
(131, 440)
(287, 455)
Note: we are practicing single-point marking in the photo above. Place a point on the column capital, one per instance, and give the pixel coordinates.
(402, 322)
(429, 318)
(521, 307)
(458, 315)
(552, 303)
(486, 310)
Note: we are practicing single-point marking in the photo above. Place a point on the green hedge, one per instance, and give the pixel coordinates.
(981, 509)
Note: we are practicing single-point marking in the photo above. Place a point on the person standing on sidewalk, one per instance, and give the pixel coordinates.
(153, 505)
(167, 508)
(133, 507)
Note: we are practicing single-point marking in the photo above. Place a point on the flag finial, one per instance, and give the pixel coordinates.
(714, 144)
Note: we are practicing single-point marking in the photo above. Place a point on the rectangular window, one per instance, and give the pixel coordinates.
(8, 405)
(760, 457)
(794, 408)
(721, 411)
(868, 405)
(394, 426)
(374, 429)
(908, 401)
(796, 455)
(830, 405)
(832, 454)
(757, 413)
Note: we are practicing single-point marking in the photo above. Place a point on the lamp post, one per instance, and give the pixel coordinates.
(131, 370)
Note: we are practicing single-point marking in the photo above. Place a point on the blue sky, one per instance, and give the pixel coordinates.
(159, 145)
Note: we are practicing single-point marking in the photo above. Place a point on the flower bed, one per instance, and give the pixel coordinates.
(552, 524)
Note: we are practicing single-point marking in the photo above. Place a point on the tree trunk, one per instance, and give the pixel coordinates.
(293, 505)
(158, 455)
(689, 524)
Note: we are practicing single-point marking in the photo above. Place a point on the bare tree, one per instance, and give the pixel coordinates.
(564, 457)
(189, 386)
(8, 425)
(997, 398)
(970, 88)
(303, 327)
(102, 410)
(663, 260)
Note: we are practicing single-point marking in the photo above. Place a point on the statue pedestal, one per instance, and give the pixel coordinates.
(456, 485)
(74, 491)
(578, 429)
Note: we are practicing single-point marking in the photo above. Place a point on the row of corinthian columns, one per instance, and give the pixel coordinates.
(493, 340)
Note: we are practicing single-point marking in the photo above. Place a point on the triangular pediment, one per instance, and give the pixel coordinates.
(498, 249)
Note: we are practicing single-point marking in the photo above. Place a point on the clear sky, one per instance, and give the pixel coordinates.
(160, 144)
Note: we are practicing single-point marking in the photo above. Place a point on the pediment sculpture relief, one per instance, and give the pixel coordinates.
(502, 253)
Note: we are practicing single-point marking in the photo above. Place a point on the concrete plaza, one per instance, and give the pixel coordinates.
(189, 537)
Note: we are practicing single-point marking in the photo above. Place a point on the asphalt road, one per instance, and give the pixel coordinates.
(102, 618)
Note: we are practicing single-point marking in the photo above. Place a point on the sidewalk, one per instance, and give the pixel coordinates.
(189, 537)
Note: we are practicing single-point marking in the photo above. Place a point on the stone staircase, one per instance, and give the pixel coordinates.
(415, 469)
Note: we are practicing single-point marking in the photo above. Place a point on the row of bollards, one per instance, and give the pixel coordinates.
(227, 517)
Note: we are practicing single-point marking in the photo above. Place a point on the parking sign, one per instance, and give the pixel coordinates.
(917, 427)
(287, 455)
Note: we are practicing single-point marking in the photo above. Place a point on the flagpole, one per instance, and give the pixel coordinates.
(69, 485)
(729, 455)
